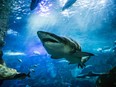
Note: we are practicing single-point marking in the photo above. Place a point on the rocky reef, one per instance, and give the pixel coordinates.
(5, 8)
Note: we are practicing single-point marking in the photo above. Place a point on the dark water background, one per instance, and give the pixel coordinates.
(92, 23)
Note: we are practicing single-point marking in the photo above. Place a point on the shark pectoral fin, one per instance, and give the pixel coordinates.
(85, 59)
(81, 65)
(73, 60)
(83, 54)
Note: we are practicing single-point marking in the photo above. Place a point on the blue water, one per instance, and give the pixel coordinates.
(92, 23)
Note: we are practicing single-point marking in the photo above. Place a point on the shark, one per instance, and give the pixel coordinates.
(62, 47)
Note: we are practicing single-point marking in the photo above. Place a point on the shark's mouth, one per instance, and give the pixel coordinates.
(50, 40)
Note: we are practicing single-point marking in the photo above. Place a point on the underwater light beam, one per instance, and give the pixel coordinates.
(84, 15)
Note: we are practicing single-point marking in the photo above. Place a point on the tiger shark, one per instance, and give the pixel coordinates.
(62, 47)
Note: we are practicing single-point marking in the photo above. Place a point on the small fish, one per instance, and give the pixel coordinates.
(32, 70)
(36, 65)
(90, 74)
(20, 60)
(36, 52)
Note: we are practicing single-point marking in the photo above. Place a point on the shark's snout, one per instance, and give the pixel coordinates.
(41, 32)
(47, 37)
(42, 35)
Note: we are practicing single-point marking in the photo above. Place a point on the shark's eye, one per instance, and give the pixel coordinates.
(50, 40)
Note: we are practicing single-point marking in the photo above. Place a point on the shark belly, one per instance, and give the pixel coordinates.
(73, 59)
(56, 51)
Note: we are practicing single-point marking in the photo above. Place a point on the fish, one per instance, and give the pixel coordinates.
(108, 79)
(36, 65)
(20, 60)
(34, 4)
(68, 4)
(61, 47)
(32, 70)
(90, 74)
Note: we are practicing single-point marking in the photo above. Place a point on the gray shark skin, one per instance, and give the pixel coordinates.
(62, 47)
(68, 4)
